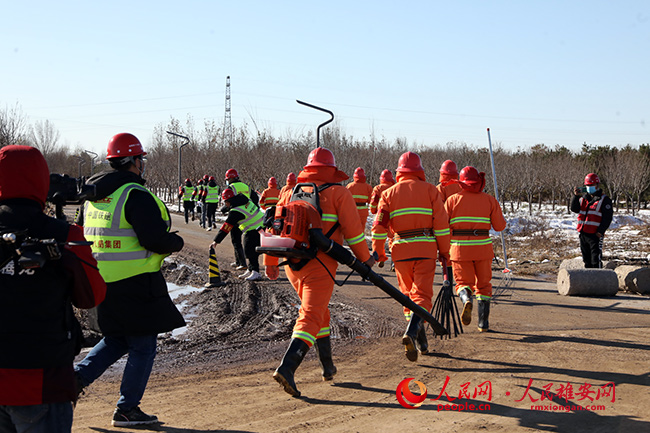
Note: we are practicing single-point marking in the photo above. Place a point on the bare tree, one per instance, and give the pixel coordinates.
(13, 126)
(44, 136)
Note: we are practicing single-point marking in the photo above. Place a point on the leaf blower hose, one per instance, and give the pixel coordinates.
(343, 256)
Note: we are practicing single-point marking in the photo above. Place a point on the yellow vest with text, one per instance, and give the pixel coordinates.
(115, 246)
(240, 188)
(253, 216)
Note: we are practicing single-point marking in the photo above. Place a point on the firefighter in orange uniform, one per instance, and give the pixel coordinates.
(413, 210)
(270, 195)
(314, 283)
(379, 235)
(448, 180)
(291, 182)
(471, 215)
(361, 192)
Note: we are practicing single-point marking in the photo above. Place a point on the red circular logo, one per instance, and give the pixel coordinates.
(406, 398)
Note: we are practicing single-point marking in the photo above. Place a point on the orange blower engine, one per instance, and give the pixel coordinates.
(300, 230)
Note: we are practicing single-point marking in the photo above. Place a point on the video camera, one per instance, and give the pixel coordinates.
(69, 190)
(29, 253)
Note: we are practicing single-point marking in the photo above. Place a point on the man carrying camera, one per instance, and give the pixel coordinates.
(45, 267)
(130, 229)
(595, 214)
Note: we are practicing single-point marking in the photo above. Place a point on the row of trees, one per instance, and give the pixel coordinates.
(536, 175)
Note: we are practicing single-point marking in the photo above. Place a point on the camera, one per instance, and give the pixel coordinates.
(69, 190)
(28, 253)
(582, 189)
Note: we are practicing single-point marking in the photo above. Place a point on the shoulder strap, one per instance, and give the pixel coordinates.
(336, 225)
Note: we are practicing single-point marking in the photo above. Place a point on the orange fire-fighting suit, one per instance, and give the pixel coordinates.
(269, 197)
(379, 236)
(291, 182)
(471, 215)
(361, 192)
(448, 186)
(413, 210)
(313, 283)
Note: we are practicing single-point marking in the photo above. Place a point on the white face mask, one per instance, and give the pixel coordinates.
(143, 167)
(591, 189)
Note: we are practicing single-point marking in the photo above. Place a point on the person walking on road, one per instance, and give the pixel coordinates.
(211, 201)
(361, 192)
(313, 282)
(595, 214)
(291, 182)
(471, 215)
(270, 195)
(413, 210)
(379, 235)
(186, 193)
(130, 228)
(448, 182)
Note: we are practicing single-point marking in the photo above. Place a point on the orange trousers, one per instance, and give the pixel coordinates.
(475, 274)
(363, 217)
(314, 287)
(415, 278)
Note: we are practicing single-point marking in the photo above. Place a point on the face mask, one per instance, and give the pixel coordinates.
(591, 189)
(143, 167)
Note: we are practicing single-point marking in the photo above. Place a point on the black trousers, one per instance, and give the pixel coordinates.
(211, 211)
(591, 247)
(252, 240)
(235, 238)
(188, 206)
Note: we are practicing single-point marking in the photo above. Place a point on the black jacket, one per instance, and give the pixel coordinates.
(39, 334)
(234, 216)
(139, 305)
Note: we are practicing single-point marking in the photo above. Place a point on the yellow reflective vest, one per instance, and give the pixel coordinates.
(115, 246)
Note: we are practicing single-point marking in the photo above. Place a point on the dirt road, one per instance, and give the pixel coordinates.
(593, 353)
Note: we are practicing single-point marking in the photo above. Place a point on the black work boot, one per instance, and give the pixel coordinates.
(421, 343)
(466, 298)
(290, 362)
(483, 315)
(324, 350)
(410, 337)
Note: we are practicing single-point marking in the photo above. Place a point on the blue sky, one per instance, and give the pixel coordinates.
(552, 72)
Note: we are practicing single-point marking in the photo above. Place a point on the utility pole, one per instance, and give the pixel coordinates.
(227, 120)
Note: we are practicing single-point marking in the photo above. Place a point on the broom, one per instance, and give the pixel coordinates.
(445, 309)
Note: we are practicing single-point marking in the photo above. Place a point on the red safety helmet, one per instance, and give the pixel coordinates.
(469, 175)
(320, 157)
(227, 194)
(449, 167)
(212, 179)
(206, 177)
(231, 174)
(592, 179)
(409, 162)
(359, 174)
(273, 182)
(124, 144)
(291, 178)
(386, 176)
(188, 180)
